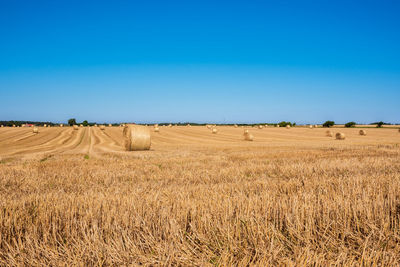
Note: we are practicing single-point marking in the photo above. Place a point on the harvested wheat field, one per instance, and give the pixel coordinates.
(297, 197)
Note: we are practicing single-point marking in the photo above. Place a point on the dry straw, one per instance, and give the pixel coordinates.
(340, 136)
(278, 125)
(61, 125)
(170, 125)
(287, 126)
(76, 127)
(248, 136)
(136, 137)
(214, 130)
(109, 125)
(208, 126)
(35, 130)
(102, 127)
(156, 129)
(81, 125)
(329, 133)
(235, 126)
(310, 127)
(363, 132)
(260, 126)
(245, 132)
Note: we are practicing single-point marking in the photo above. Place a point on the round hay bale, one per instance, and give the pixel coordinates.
(109, 125)
(260, 126)
(95, 125)
(188, 125)
(208, 126)
(214, 130)
(363, 132)
(170, 125)
(61, 125)
(315, 126)
(245, 132)
(2, 126)
(287, 126)
(35, 130)
(80, 125)
(278, 125)
(102, 127)
(340, 136)
(156, 129)
(248, 137)
(136, 137)
(45, 125)
(329, 133)
(310, 127)
(76, 127)
(235, 126)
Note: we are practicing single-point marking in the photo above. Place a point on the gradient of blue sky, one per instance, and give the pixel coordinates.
(200, 61)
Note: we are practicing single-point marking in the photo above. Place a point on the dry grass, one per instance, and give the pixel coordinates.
(287, 198)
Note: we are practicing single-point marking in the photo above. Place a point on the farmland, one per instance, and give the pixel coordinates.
(291, 196)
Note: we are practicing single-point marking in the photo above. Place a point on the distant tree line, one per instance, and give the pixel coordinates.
(73, 121)
(353, 124)
(20, 123)
(85, 123)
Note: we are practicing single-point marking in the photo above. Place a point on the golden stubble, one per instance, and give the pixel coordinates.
(298, 197)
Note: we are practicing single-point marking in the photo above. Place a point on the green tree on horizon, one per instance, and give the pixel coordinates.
(71, 122)
(328, 124)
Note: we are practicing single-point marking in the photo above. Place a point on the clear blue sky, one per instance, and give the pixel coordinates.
(200, 61)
